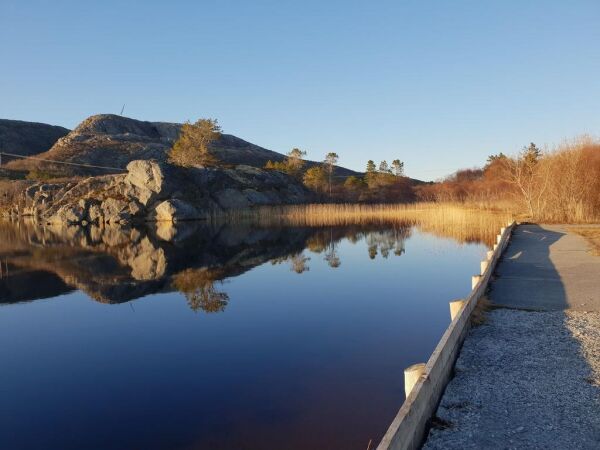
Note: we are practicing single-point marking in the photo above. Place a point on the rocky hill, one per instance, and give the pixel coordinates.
(28, 138)
(113, 141)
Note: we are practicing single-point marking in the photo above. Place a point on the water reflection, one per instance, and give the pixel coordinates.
(118, 264)
(282, 337)
(198, 286)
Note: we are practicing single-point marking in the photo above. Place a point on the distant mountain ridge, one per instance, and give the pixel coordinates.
(28, 138)
(113, 141)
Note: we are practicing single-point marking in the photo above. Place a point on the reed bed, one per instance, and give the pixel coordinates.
(442, 219)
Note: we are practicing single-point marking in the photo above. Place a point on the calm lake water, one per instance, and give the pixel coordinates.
(217, 337)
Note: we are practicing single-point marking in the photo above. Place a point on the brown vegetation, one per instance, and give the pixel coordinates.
(448, 220)
(11, 193)
(592, 235)
(560, 185)
(479, 314)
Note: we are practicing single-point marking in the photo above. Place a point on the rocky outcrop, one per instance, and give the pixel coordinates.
(113, 141)
(28, 138)
(153, 191)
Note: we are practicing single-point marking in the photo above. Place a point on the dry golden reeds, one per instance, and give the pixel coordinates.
(447, 220)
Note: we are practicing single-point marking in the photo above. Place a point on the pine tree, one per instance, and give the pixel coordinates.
(330, 160)
(193, 147)
(398, 167)
(371, 166)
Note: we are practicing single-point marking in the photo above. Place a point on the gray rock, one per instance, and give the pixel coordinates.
(114, 210)
(258, 198)
(157, 191)
(174, 210)
(70, 214)
(147, 177)
(95, 214)
(232, 199)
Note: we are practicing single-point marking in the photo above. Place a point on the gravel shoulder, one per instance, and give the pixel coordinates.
(524, 380)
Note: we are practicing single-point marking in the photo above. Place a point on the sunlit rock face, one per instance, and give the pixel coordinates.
(153, 191)
(113, 141)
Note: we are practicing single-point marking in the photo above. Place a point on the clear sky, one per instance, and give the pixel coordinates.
(438, 84)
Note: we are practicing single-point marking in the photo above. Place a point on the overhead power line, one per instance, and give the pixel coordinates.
(52, 161)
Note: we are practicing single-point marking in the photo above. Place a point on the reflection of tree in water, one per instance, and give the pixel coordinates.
(384, 242)
(326, 241)
(317, 243)
(331, 256)
(298, 262)
(198, 286)
(387, 241)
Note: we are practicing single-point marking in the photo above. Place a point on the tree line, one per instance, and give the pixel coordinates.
(384, 183)
(561, 184)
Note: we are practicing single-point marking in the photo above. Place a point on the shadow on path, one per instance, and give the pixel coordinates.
(547, 268)
(530, 376)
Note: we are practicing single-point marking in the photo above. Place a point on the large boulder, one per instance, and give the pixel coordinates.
(147, 180)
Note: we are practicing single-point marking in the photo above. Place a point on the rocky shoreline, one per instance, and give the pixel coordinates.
(155, 191)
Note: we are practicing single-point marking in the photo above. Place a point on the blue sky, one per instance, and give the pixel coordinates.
(440, 85)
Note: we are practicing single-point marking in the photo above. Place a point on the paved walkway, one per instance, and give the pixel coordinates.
(547, 268)
(530, 376)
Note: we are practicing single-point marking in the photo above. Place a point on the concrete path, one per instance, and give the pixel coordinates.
(530, 376)
(547, 268)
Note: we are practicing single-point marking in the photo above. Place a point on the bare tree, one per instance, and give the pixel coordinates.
(530, 175)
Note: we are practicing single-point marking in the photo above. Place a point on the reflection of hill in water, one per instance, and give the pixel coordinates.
(114, 265)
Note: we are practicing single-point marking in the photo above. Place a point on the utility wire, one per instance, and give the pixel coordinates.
(62, 162)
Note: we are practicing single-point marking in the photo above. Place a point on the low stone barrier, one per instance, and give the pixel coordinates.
(425, 383)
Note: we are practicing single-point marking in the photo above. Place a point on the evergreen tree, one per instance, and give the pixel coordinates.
(371, 166)
(532, 154)
(398, 167)
(330, 160)
(315, 178)
(295, 160)
(193, 147)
